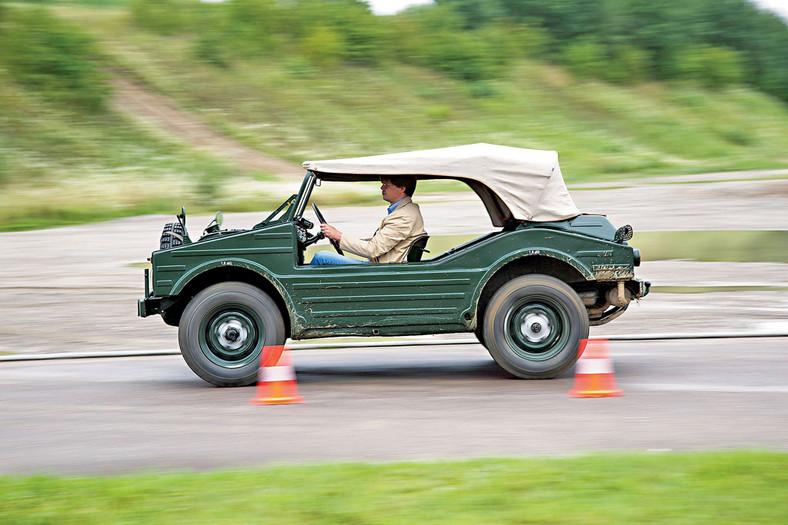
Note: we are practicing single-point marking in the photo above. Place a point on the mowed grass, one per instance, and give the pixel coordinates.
(725, 487)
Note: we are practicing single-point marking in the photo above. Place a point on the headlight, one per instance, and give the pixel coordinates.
(636, 255)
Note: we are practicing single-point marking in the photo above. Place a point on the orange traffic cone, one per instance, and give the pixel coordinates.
(594, 375)
(276, 380)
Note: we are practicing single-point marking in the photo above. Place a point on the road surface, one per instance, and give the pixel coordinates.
(141, 414)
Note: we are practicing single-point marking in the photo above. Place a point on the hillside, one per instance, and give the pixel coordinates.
(61, 164)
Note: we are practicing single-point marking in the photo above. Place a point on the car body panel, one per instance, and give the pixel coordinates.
(435, 295)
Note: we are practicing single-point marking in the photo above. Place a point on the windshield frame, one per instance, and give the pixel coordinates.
(304, 194)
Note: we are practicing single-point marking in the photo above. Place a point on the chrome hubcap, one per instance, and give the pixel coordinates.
(232, 334)
(536, 327)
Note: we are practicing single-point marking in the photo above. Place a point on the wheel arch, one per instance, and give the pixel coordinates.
(227, 270)
(550, 263)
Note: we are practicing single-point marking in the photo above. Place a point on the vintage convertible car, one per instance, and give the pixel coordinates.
(529, 290)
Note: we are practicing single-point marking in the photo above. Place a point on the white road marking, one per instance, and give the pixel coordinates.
(695, 387)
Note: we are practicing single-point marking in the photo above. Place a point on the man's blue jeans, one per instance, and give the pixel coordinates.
(326, 257)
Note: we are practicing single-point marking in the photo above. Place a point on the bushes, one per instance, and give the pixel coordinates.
(434, 37)
(710, 66)
(165, 17)
(53, 57)
(628, 65)
(585, 58)
(714, 43)
(711, 42)
(323, 47)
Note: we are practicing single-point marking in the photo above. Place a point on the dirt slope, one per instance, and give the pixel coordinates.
(164, 115)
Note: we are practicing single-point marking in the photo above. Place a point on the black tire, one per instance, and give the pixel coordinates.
(533, 326)
(223, 330)
(479, 333)
(171, 236)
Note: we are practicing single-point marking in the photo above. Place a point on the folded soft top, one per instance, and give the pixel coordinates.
(513, 183)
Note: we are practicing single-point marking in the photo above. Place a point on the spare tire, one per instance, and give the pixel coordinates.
(172, 236)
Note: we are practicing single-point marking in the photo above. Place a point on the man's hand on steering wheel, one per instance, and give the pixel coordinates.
(329, 231)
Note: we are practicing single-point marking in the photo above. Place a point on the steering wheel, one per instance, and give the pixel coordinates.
(322, 220)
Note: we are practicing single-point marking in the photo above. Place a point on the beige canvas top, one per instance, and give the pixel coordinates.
(513, 183)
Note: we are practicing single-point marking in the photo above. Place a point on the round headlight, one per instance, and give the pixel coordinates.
(636, 255)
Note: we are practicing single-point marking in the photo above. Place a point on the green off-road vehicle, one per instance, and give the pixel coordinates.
(529, 290)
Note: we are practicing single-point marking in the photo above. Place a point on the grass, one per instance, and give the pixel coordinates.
(725, 487)
(62, 167)
(709, 246)
(601, 131)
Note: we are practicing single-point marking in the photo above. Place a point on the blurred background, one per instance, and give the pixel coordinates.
(112, 108)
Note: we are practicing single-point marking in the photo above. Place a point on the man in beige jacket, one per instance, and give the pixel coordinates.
(390, 243)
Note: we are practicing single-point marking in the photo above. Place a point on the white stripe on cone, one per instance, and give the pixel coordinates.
(277, 373)
(594, 366)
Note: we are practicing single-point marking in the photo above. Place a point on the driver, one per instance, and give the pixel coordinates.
(390, 243)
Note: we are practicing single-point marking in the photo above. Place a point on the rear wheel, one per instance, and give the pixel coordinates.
(479, 333)
(223, 330)
(533, 326)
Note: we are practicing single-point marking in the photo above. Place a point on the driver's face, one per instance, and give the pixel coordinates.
(391, 193)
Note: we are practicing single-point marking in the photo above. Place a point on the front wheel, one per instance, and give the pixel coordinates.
(533, 326)
(224, 329)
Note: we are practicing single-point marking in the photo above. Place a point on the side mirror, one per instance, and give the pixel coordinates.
(215, 226)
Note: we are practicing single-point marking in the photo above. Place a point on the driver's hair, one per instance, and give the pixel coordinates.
(404, 181)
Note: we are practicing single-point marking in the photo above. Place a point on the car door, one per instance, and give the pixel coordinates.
(381, 299)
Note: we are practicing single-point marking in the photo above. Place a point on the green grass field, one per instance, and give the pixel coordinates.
(703, 488)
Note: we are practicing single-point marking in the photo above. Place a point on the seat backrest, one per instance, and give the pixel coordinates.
(417, 248)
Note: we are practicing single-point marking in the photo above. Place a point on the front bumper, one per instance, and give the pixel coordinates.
(148, 306)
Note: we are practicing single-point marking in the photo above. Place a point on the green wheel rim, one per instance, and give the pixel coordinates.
(232, 336)
(537, 328)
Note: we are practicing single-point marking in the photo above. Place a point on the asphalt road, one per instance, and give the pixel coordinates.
(146, 414)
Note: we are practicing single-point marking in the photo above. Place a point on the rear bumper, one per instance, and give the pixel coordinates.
(639, 287)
